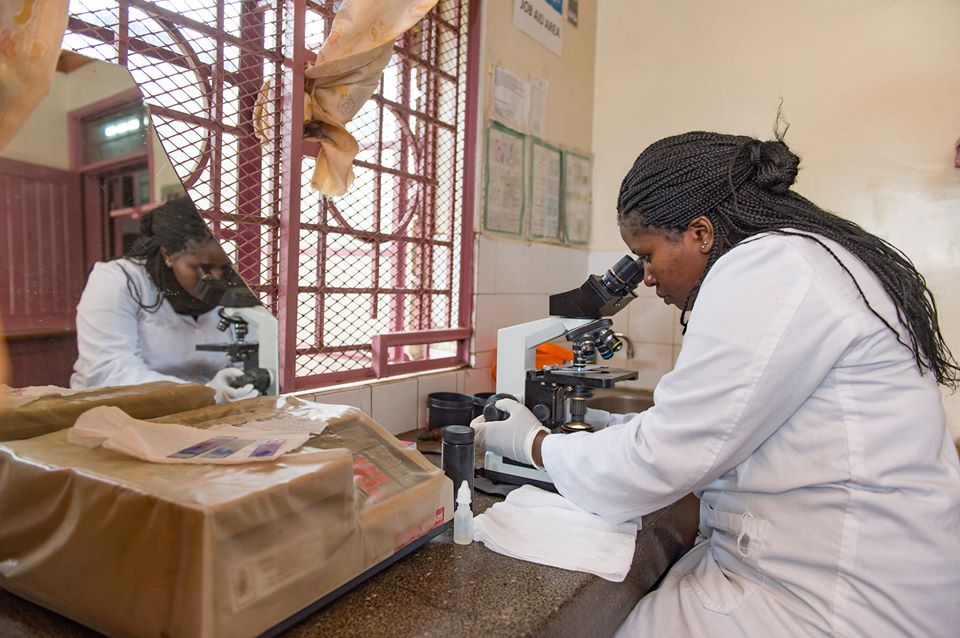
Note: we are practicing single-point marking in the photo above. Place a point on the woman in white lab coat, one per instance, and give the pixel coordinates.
(138, 319)
(803, 410)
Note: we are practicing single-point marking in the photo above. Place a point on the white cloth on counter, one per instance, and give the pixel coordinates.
(546, 528)
(112, 428)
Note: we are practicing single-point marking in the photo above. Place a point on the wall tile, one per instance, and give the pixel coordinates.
(478, 380)
(358, 397)
(539, 270)
(534, 307)
(651, 321)
(486, 265)
(568, 267)
(511, 272)
(495, 312)
(598, 262)
(651, 363)
(485, 308)
(395, 405)
(484, 360)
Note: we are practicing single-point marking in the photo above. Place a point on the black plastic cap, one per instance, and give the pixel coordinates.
(458, 434)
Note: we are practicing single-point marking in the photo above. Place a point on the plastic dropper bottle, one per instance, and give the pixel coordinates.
(463, 517)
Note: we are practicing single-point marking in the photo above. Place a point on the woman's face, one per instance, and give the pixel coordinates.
(191, 264)
(673, 261)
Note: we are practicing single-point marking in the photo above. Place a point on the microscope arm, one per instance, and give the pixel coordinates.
(516, 349)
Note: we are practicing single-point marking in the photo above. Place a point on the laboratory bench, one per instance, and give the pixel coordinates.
(443, 589)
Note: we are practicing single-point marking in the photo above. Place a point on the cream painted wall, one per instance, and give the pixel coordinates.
(871, 89)
(514, 278)
(43, 137)
(570, 96)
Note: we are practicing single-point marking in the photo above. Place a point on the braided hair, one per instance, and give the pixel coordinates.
(742, 185)
(175, 226)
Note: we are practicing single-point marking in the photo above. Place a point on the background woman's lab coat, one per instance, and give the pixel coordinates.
(120, 343)
(829, 486)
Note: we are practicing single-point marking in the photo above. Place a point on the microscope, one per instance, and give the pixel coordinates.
(557, 395)
(241, 309)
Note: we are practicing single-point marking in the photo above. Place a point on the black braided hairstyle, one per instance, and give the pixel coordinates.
(743, 186)
(176, 226)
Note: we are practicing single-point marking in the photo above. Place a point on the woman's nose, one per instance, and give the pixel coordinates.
(648, 277)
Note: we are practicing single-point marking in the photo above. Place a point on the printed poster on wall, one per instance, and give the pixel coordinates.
(542, 20)
(503, 192)
(511, 100)
(577, 193)
(544, 191)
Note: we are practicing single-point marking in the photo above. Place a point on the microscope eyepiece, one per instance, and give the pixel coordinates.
(601, 295)
(624, 276)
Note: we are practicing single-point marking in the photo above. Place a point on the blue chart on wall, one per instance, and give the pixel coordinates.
(556, 4)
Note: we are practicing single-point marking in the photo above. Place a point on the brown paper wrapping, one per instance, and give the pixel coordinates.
(145, 401)
(138, 549)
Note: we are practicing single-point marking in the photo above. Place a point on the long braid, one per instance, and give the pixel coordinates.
(743, 186)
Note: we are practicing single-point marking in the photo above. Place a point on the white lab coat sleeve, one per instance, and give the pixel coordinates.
(760, 340)
(108, 336)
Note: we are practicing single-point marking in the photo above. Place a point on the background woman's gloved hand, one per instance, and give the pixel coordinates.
(513, 437)
(225, 393)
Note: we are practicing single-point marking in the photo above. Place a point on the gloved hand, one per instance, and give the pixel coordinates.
(225, 393)
(513, 437)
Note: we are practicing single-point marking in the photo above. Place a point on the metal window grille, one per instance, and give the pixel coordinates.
(372, 283)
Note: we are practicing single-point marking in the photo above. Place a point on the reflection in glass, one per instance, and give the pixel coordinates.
(75, 184)
(113, 135)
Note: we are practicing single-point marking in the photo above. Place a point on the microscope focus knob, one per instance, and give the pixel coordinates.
(542, 412)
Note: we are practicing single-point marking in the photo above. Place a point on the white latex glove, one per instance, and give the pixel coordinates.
(225, 393)
(512, 438)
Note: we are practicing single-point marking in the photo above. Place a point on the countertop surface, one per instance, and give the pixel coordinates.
(445, 589)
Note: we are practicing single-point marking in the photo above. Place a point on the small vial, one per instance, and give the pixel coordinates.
(457, 454)
(463, 517)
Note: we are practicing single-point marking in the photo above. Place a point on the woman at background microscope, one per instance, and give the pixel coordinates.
(138, 321)
(803, 410)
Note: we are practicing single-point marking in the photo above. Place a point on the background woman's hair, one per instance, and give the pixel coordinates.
(175, 226)
(743, 186)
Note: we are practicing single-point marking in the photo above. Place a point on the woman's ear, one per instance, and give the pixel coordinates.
(166, 256)
(700, 229)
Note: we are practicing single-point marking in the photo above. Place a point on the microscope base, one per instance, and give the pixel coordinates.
(500, 469)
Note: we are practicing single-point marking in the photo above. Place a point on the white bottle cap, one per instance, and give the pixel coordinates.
(463, 494)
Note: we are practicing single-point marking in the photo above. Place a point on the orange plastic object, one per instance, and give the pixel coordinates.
(548, 354)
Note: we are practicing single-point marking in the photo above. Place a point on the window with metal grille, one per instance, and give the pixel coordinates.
(370, 284)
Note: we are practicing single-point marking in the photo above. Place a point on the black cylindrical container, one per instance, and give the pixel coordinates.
(457, 455)
(448, 408)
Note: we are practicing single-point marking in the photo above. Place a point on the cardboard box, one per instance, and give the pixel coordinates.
(137, 549)
(145, 401)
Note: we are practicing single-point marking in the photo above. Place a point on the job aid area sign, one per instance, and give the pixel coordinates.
(542, 20)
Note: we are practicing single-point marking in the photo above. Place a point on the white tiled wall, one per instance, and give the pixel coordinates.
(400, 405)
(513, 283)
